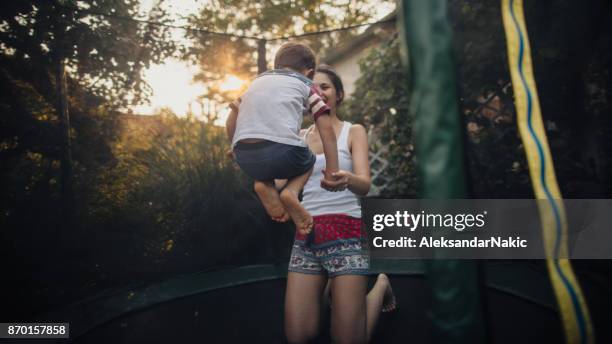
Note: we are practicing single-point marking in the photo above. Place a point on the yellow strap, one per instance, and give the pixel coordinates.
(574, 311)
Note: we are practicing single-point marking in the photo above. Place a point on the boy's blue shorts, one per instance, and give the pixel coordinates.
(267, 160)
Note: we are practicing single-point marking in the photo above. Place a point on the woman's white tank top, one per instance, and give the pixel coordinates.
(319, 201)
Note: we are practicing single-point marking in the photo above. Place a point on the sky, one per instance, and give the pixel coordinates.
(172, 82)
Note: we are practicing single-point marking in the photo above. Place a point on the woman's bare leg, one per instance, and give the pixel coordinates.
(327, 293)
(303, 306)
(355, 315)
(379, 299)
(348, 319)
(389, 302)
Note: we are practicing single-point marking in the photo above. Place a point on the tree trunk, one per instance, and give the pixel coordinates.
(66, 155)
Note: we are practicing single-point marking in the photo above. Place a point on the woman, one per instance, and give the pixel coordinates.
(335, 247)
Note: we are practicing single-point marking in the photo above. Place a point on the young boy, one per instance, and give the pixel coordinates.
(265, 137)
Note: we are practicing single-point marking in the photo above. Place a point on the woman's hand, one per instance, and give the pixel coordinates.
(340, 182)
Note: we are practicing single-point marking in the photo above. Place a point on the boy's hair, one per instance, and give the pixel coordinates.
(296, 56)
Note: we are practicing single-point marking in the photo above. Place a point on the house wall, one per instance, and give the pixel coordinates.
(348, 67)
(347, 62)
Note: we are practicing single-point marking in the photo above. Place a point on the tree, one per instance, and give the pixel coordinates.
(103, 50)
(381, 102)
(220, 55)
(104, 54)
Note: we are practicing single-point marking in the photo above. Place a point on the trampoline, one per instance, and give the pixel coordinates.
(245, 304)
(517, 298)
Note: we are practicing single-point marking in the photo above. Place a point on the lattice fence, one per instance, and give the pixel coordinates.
(378, 163)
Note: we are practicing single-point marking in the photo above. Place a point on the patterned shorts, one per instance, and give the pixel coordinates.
(336, 246)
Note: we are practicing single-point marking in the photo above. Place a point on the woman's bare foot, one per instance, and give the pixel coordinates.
(270, 199)
(299, 215)
(389, 302)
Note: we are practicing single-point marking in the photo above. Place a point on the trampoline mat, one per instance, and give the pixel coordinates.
(254, 313)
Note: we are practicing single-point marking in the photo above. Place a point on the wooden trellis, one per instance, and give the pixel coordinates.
(378, 163)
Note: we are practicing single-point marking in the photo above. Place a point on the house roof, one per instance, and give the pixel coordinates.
(334, 55)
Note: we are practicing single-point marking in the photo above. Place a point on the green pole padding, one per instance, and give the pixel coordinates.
(456, 307)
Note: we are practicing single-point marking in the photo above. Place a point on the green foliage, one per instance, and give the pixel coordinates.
(496, 165)
(34, 234)
(30, 128)
(175, 184)
(168, 201)
(104, 57)
(381, 103)
(104, 54)
(382, 98)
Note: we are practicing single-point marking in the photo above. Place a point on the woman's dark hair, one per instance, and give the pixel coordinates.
(335, 79)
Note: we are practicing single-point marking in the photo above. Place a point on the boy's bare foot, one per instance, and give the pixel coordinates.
(389, 302)
(284, 218)
(270, 199)
(299, 215)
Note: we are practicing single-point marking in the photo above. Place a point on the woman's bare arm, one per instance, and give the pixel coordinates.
(358, 181)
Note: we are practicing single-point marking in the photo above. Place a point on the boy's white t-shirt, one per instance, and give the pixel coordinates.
(273, 108)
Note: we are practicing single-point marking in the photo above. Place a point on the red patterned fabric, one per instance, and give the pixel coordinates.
(316, 105)
(334, 227)
(334, 247)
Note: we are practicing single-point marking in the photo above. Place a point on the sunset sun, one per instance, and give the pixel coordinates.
(231, 83)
